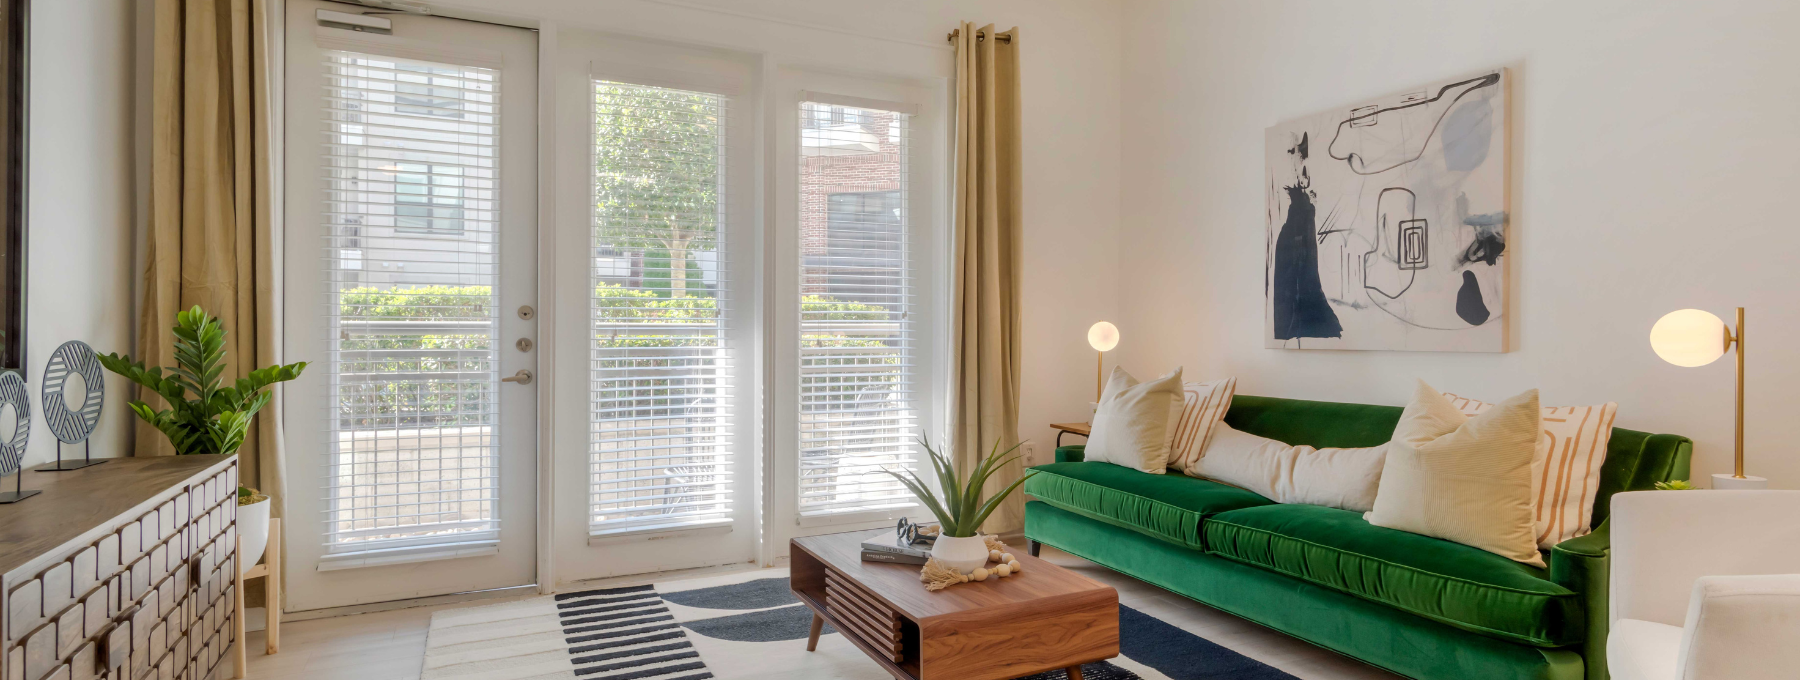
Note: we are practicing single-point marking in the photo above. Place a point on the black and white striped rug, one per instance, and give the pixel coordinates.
(744, 626)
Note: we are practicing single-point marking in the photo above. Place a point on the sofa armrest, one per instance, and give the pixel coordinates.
(1582, 564)
(1073, 453)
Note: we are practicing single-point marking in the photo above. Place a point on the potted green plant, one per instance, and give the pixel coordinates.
(961, 510)
(205, 415)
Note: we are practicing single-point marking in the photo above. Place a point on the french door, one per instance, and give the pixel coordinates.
(411, 273)
(747, 311)
(743, 332)
(656, 312)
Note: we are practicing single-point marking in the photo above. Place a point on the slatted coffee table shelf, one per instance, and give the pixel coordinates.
(1043, 619)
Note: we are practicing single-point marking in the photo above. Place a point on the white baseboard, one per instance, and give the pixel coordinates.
(391, 605)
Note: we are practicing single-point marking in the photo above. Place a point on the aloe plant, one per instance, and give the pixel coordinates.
(216, 417)
(961, 510)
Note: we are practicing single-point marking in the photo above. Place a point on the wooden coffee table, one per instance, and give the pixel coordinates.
(1042, 619)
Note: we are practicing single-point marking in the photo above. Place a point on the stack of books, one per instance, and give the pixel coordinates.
(887, 547)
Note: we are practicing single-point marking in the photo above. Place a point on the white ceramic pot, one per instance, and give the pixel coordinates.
(253, 528)
(962, 554)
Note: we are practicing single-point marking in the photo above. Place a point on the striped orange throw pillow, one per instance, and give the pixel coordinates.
(1565, 470)
(1203, 406)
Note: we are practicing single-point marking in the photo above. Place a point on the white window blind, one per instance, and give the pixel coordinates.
(411, 204)
(857, 360)
(659, 457)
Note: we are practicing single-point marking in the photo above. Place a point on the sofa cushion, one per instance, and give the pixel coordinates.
(1448, 582)
(1169, 507)
(1634, 460)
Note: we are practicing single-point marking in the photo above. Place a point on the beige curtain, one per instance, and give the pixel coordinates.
(212, 234)
(985, 370)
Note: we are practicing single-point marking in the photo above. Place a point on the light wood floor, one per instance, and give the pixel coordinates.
(391, 645)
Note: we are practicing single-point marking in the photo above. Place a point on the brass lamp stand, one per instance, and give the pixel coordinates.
(1691, 337)
(1734, 339)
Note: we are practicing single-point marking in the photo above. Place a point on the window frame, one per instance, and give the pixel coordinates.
(927, 104)
(726, 296)
(334, 552)
(575, 553)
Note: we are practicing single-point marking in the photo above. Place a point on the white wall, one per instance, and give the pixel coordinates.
(1070, 54)
(81, 203)
(1653, 169)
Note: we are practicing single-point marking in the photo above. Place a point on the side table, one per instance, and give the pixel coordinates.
(1070, 428)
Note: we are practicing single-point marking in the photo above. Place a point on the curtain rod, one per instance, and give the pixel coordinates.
(979, 36)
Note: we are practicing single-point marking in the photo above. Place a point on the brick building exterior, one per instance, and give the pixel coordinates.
(851, 196)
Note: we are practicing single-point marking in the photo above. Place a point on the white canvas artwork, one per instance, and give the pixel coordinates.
(1387, 222)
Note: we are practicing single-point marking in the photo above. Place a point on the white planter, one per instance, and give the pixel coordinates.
(962, 554)
(253, 529)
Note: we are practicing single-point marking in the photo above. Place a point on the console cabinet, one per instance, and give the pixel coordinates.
(122, 571)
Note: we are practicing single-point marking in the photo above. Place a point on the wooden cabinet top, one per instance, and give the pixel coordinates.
(75, 502)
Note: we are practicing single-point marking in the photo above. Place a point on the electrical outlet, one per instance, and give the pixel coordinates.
(1029, 452)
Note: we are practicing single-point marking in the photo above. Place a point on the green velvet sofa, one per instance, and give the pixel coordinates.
(1417, 606)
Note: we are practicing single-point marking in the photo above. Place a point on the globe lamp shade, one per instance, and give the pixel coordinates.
(1689, 337)
(1103, 336)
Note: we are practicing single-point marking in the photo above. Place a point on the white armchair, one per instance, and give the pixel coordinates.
(1705, 585)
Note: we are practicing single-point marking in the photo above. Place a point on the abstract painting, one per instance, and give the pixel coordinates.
(1387, 222)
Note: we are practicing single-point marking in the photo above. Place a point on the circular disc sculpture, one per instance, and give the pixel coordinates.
(12, 450)
(72, 425)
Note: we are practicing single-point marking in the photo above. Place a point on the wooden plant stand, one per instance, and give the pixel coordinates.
(1042, 619)
(270, 572)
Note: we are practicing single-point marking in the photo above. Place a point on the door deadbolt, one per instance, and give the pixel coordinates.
(523, 377)
(527, 313)
(525, 344)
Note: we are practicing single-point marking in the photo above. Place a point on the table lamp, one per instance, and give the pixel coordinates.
(1103, 337)
(1694, 337)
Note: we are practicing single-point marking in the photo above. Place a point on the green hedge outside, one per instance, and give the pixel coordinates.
(451, 404)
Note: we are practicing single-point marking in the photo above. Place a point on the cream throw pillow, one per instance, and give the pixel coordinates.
(1334, 478)
(1131, 425)
(1203, 406)
(1463, 479)
(1565, 469)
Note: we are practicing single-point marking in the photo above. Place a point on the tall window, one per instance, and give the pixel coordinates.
(857, 358)
(411, 150)
(659, 437)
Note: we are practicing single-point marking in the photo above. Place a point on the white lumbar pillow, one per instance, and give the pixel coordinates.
(1463, 479)
(1334, 478)
(1131, 425)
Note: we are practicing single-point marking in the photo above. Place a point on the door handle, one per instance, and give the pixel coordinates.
(523, 377)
